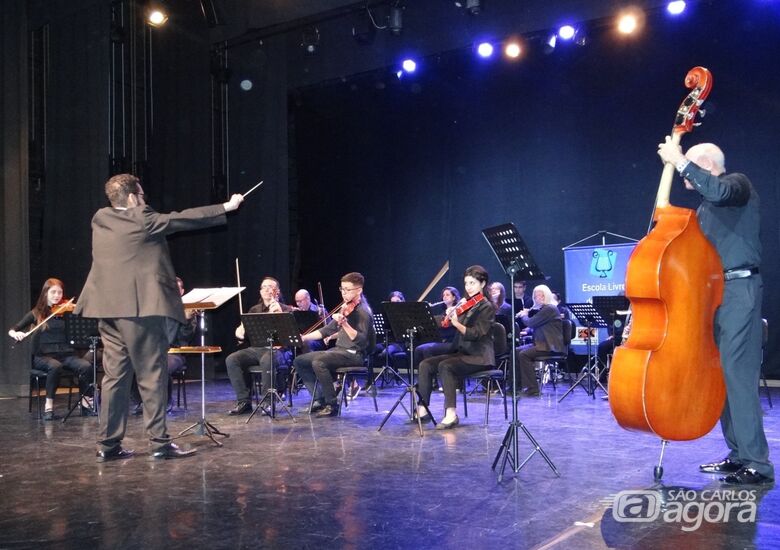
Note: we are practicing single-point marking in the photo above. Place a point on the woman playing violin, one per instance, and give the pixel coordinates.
(472, 347)
(238, 362)
(51, 350)
(353, 329)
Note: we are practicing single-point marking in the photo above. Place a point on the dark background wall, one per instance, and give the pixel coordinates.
(363, 171)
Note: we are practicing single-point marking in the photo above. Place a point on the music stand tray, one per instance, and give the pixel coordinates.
(415, 322)
(587, 315)
(268, 330)
(305, 319)
(609, 308)
(82, 332)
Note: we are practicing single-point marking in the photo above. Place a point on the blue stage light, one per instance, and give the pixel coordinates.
(676, 7)
(409, 65)
(485, 49)
(567, 32)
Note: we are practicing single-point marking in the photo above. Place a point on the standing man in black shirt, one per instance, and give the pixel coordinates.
(729, 217)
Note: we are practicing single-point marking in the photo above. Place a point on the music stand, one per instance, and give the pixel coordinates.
(515, 258)
(83, 332)
(609, 307)
(200, 300)
(275, 329)
(305, 319)
(587, 315)
(382, 329)
(415, 321)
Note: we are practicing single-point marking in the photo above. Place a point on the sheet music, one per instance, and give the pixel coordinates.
(217, 296)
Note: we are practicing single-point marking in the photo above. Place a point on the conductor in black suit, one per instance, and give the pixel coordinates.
(132, 289)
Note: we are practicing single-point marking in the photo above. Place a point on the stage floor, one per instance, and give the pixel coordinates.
(338, 483)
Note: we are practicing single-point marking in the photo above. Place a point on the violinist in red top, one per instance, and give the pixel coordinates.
(473, 345)
(353, 327)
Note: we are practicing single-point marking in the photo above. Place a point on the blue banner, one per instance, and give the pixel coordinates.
(595, 271)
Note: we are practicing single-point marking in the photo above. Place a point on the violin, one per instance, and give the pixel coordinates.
(349, 307)
(63, 307)
(463, 308)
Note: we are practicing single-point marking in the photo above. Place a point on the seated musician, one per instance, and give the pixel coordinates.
(472, 348)
(449, 297)
(238, 362)
(547, 329)
(304, 302)
(394, 354)
(50, 347)
(503, 308)
(352, 328)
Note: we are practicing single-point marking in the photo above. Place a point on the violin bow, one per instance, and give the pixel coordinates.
(444, 269)
(238, 284)
(59, 308)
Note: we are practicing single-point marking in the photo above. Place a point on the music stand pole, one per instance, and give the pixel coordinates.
(203, 426)
(271, 393)
(591, 318)
(72, 323)
(509, 248)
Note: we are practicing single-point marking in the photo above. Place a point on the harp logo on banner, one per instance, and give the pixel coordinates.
(603, 263)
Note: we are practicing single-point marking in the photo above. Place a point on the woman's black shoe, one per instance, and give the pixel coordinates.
(51, 415)
(424, 419)
(242, 407)
(328, 410)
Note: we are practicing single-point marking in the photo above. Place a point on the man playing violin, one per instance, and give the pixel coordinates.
(353, 330)
(238, 362)
(473, 348)
(729, 215)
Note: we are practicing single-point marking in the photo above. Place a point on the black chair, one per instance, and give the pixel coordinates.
(764, 340)
(348, 373)
(492, 377)
(552, 362)
(38, 380)
(256, 374)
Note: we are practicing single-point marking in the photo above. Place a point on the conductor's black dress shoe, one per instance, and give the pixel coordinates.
(242, 407)
(117, 453)
(328, 410)
(171, 450)
(746, 476)
(725, 466)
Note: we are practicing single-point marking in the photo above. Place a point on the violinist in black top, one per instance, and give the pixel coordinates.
(354, 330)
(473, 347)
(51, 350)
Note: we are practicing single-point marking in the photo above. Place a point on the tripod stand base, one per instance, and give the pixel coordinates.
(203, 427)
(274, 398)
(510, 449)
(415, 397)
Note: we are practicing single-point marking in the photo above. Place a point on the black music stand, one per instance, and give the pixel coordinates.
(305, 319)
(415, 321)
(587, 315)
(83, 332)
(274, 329)
(515, 258)
(609, 307)
(382, 329)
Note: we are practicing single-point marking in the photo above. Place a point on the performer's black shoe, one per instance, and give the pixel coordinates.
(171, 450)
(725, 466)
(449, 425)
(315, 407)
(117, 453)
(51, 415)
(425, 419)
(242, 407)
(746, 476)
(328, 410)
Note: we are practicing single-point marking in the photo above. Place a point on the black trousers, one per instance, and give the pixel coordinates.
(53, 364)
(321, 366)
(451, 369)
(238, 363)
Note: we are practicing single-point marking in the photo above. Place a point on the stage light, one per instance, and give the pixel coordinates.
(676, 7)
(549, 45)
(473, 7)
(512, 50)
(567, 32)
(310, 40)
(409, 65)
(156, 14)
(627, 23)
(485, 49)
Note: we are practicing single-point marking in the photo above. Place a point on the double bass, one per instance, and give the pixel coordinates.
(667, 379)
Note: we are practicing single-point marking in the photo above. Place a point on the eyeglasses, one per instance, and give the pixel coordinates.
(342, 289)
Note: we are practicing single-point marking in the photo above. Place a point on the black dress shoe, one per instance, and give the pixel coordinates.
(725, 466)
(449, 425)
(746, 476)
(171, 450)
(424, 419)
(242, 407)
(328, 410)
(117, 453)
(315, 407)
(51, 415)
